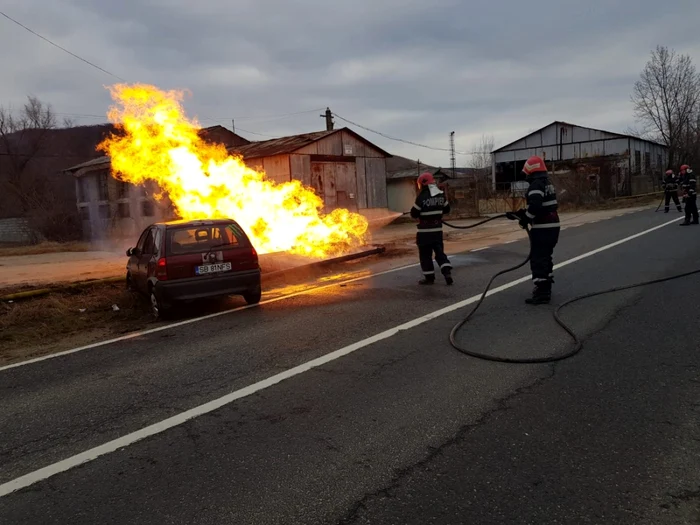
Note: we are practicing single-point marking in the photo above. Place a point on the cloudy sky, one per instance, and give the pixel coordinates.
(412, 69)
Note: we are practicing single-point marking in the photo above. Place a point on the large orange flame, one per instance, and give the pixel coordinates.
(158, 143)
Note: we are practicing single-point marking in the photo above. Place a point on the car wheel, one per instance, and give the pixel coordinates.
(158, 309)
(253, 296)
(130, 283)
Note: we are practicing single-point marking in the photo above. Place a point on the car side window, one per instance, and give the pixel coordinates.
(142, 240)
(158, 240)
(149, 247)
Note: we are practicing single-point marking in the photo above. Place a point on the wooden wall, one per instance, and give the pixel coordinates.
(276, 168)
(341, 143)
(344, 171)
(375, 177)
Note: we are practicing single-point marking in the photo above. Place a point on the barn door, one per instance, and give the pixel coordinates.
(324, 182)
(346, 185)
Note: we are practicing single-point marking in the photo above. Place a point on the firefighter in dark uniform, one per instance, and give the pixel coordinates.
(542, 218)
(670, 186)
(688, 187)
(429, 208)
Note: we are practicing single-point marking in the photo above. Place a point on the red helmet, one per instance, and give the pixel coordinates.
(669, 172)
(425, 179)
(534, 164)
(685, 167)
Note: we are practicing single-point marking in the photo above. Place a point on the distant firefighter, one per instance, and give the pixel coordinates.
(670, 186)
(688, 187)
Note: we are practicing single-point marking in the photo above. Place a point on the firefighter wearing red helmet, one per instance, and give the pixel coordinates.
(429, 207)
(542, 217)
(670, 186)
(688, 187)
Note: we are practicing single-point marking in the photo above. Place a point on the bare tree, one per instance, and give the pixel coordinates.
(24, 136)
(666, 101)
(481, 154)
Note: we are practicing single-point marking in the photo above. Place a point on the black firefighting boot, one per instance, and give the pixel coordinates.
(541, 294)
(447, 273)
(685, 223)
(427, 279)
(680, 210)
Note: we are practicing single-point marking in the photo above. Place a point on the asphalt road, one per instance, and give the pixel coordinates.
(402, 429)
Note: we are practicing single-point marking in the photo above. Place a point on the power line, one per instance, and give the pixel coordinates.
(61, 48)
(401, 140)
(278, 116)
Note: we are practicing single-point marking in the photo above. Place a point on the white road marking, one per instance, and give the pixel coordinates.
(197, 319)
(166, 424)
(481, 249)
(511, 242)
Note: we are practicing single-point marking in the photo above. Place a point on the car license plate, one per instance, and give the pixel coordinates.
(213, 268)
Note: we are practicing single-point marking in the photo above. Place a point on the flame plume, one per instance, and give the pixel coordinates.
(203, 181)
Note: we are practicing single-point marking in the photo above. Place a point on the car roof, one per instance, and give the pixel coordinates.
(198, 222)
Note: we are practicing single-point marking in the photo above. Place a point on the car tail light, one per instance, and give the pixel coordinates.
(162, 269)
(253, 251)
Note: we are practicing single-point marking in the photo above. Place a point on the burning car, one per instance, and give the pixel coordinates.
(187, 260)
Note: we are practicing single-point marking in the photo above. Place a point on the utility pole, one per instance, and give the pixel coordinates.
(233, 125)
(329, 119)
(453, 159)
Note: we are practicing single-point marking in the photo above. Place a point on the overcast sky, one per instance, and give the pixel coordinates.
(413, 69)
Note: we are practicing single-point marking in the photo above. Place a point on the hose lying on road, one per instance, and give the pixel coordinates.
(578, 344)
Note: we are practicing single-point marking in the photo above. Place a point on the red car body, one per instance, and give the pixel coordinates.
(187, 260)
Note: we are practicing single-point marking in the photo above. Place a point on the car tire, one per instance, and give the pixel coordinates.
(130, 284)
(253, 296)
(158, 310)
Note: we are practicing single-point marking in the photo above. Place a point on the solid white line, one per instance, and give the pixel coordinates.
(481, 249)
(511, 242)
(151, 430)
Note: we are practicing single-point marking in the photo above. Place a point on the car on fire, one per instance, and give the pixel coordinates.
(182, 261)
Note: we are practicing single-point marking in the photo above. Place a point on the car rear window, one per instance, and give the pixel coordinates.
(201, 238)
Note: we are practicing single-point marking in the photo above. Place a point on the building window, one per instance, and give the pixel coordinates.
(637, 162)
(104, 211)
(123, 210)
(122, 189)
(84, 213)
(647, 162)
(147, 209)
(103, 184)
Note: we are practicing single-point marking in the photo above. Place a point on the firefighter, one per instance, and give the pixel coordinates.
(542, 218)
(688, 187)
(670, 186)
(429, 208)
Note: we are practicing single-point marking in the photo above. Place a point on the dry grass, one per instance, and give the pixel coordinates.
(55, 322)
(44, 247)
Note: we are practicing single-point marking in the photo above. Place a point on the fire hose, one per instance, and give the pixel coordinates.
(578, 343)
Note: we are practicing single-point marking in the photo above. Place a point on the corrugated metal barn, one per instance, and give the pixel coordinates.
(345, 169)
(633, 164)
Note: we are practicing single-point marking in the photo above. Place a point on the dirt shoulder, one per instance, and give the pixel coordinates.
(43, 248)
